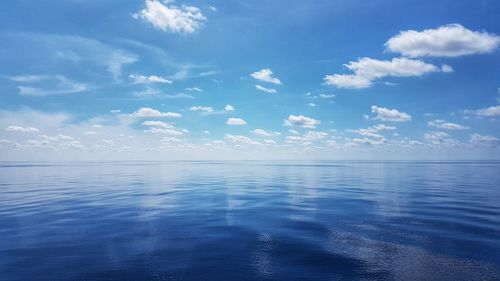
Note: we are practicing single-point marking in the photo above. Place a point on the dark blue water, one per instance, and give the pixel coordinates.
(250, 221)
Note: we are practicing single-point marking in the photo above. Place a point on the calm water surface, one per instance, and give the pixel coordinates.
(250, 221)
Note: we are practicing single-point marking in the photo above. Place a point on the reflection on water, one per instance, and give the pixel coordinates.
(250, 221)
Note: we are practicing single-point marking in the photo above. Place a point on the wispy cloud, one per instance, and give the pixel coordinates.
(21, 129)
(267, 90)
(46, 85)
(141, 79)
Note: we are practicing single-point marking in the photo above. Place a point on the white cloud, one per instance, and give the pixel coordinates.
(150, 112)
(262, 132)
(366, 70)
(229, 107)
(9, 143)
(21, 129)
(170, 18)
(368, 141)
(441, 124)
(264, 89)
(307, 138)
(446, 68)
(266, 75)
(240, 139)
(492, 111)
(236, 122)
(201, 108)
(301, 121)
(46, 85)
(480, 140)
(159, 127)
(327, 96)
(347, 81)
(115, 111)
(315, 135)
(380, 127)
(441, 139)
(141, 79)
(196, 89)
(393, 115)
(172, 131)
(451, 40)
(159, 124)
(312, 104)
(373, 131)
(435, 137)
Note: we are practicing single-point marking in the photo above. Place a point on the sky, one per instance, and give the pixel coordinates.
(218, 79)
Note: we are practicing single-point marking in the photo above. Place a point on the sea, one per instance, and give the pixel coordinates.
(250, 220)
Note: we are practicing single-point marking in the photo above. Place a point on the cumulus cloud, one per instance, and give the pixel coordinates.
(393, 115)
(373, 131)
(159, 127)
(141, 79)
(159, 124)
(170, 18)
(266, 75)
(264, 89)
(440, 139)
(492, 111)
(229, 107)
(262, 132)
(308, 137)
(366, 70)
(367, 141)
(150, 112)
(446, 68)
(301, 121)
(240, 139)
(201, 108)
(441, 124)
(380, 127)
(488, 141)
(450, 40)
(45, 85)
(21, 129)
(236, 122)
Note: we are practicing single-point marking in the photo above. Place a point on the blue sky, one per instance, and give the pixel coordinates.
(249, 80)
